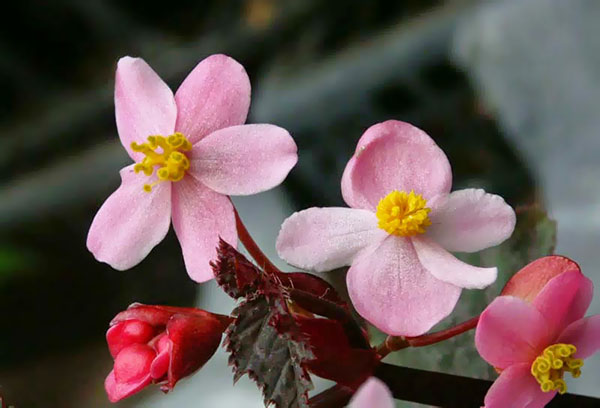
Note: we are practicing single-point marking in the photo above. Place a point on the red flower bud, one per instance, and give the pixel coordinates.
(159, 344)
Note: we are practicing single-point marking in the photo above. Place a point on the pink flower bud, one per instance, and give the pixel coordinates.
(160, 345)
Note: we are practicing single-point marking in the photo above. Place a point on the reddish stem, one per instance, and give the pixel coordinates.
(334, 397)
(393, 343)
(251, 246)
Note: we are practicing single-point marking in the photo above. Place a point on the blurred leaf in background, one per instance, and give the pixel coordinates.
(14, 261)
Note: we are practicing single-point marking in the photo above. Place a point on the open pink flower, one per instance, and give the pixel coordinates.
(191, 151)
(397, 235)
(373, 393)
(533, 342)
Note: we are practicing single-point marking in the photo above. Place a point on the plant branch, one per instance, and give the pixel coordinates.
(334, 397)
(453, 391)
(251, 246)
(395, 343)
(437, 389)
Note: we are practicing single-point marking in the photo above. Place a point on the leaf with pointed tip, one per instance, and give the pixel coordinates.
(273, 360)
(276, 339)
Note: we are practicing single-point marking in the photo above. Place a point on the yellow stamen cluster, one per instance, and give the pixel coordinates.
(550, 367)
(171, 160)
(403, 214)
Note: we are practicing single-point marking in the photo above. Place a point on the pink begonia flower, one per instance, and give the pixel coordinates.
(159, 345)
(397, 235)
(373, 393)
(534, 341)
(191, 150)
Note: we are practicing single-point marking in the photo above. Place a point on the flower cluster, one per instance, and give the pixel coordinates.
(191, 151)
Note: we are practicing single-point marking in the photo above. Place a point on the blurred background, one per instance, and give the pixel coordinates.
(509, 89)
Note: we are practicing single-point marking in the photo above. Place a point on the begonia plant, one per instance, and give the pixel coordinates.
(399, 235)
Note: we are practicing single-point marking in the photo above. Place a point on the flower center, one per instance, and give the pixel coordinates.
(171, 160)
(550, 367)
(403, 214)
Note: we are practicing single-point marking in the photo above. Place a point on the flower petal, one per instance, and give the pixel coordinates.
(390, 156)
(531, 279)
(126, 333)
(246, 159)
(160, 364)
(193, 342)
(446, 267)
(322, 239)
(133, 363)
(583, 334)
(517, 388)
(470, 220)
(116, 391)
(511, 331)
(372, 394)
(215, 95)
(564, 299)
(200, 217)
(130, 222)
(144, 104)
(389, 287)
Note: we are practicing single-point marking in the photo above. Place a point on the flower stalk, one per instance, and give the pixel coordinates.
(252, 247)
(395, 343)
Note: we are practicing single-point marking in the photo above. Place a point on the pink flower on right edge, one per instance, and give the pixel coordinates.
(397, 235)
(538, 334)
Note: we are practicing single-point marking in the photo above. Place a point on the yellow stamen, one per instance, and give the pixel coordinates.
(550, 367)
(403, 214)
(173, 163)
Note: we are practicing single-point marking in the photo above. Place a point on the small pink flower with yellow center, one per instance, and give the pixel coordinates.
(536, 334)
(397, 235)
(191, 150)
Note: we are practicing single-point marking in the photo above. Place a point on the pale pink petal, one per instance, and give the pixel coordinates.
(215, 95)
(389, 287)
(511, 331)
(144, 104)
(390, 156)
(517, 388)
(372, 394)
(322, 239)
(130, 222)
(246, 159)
(564, 299)
(583, 334)
(200, 217)
(470, 220)
(446, 267)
